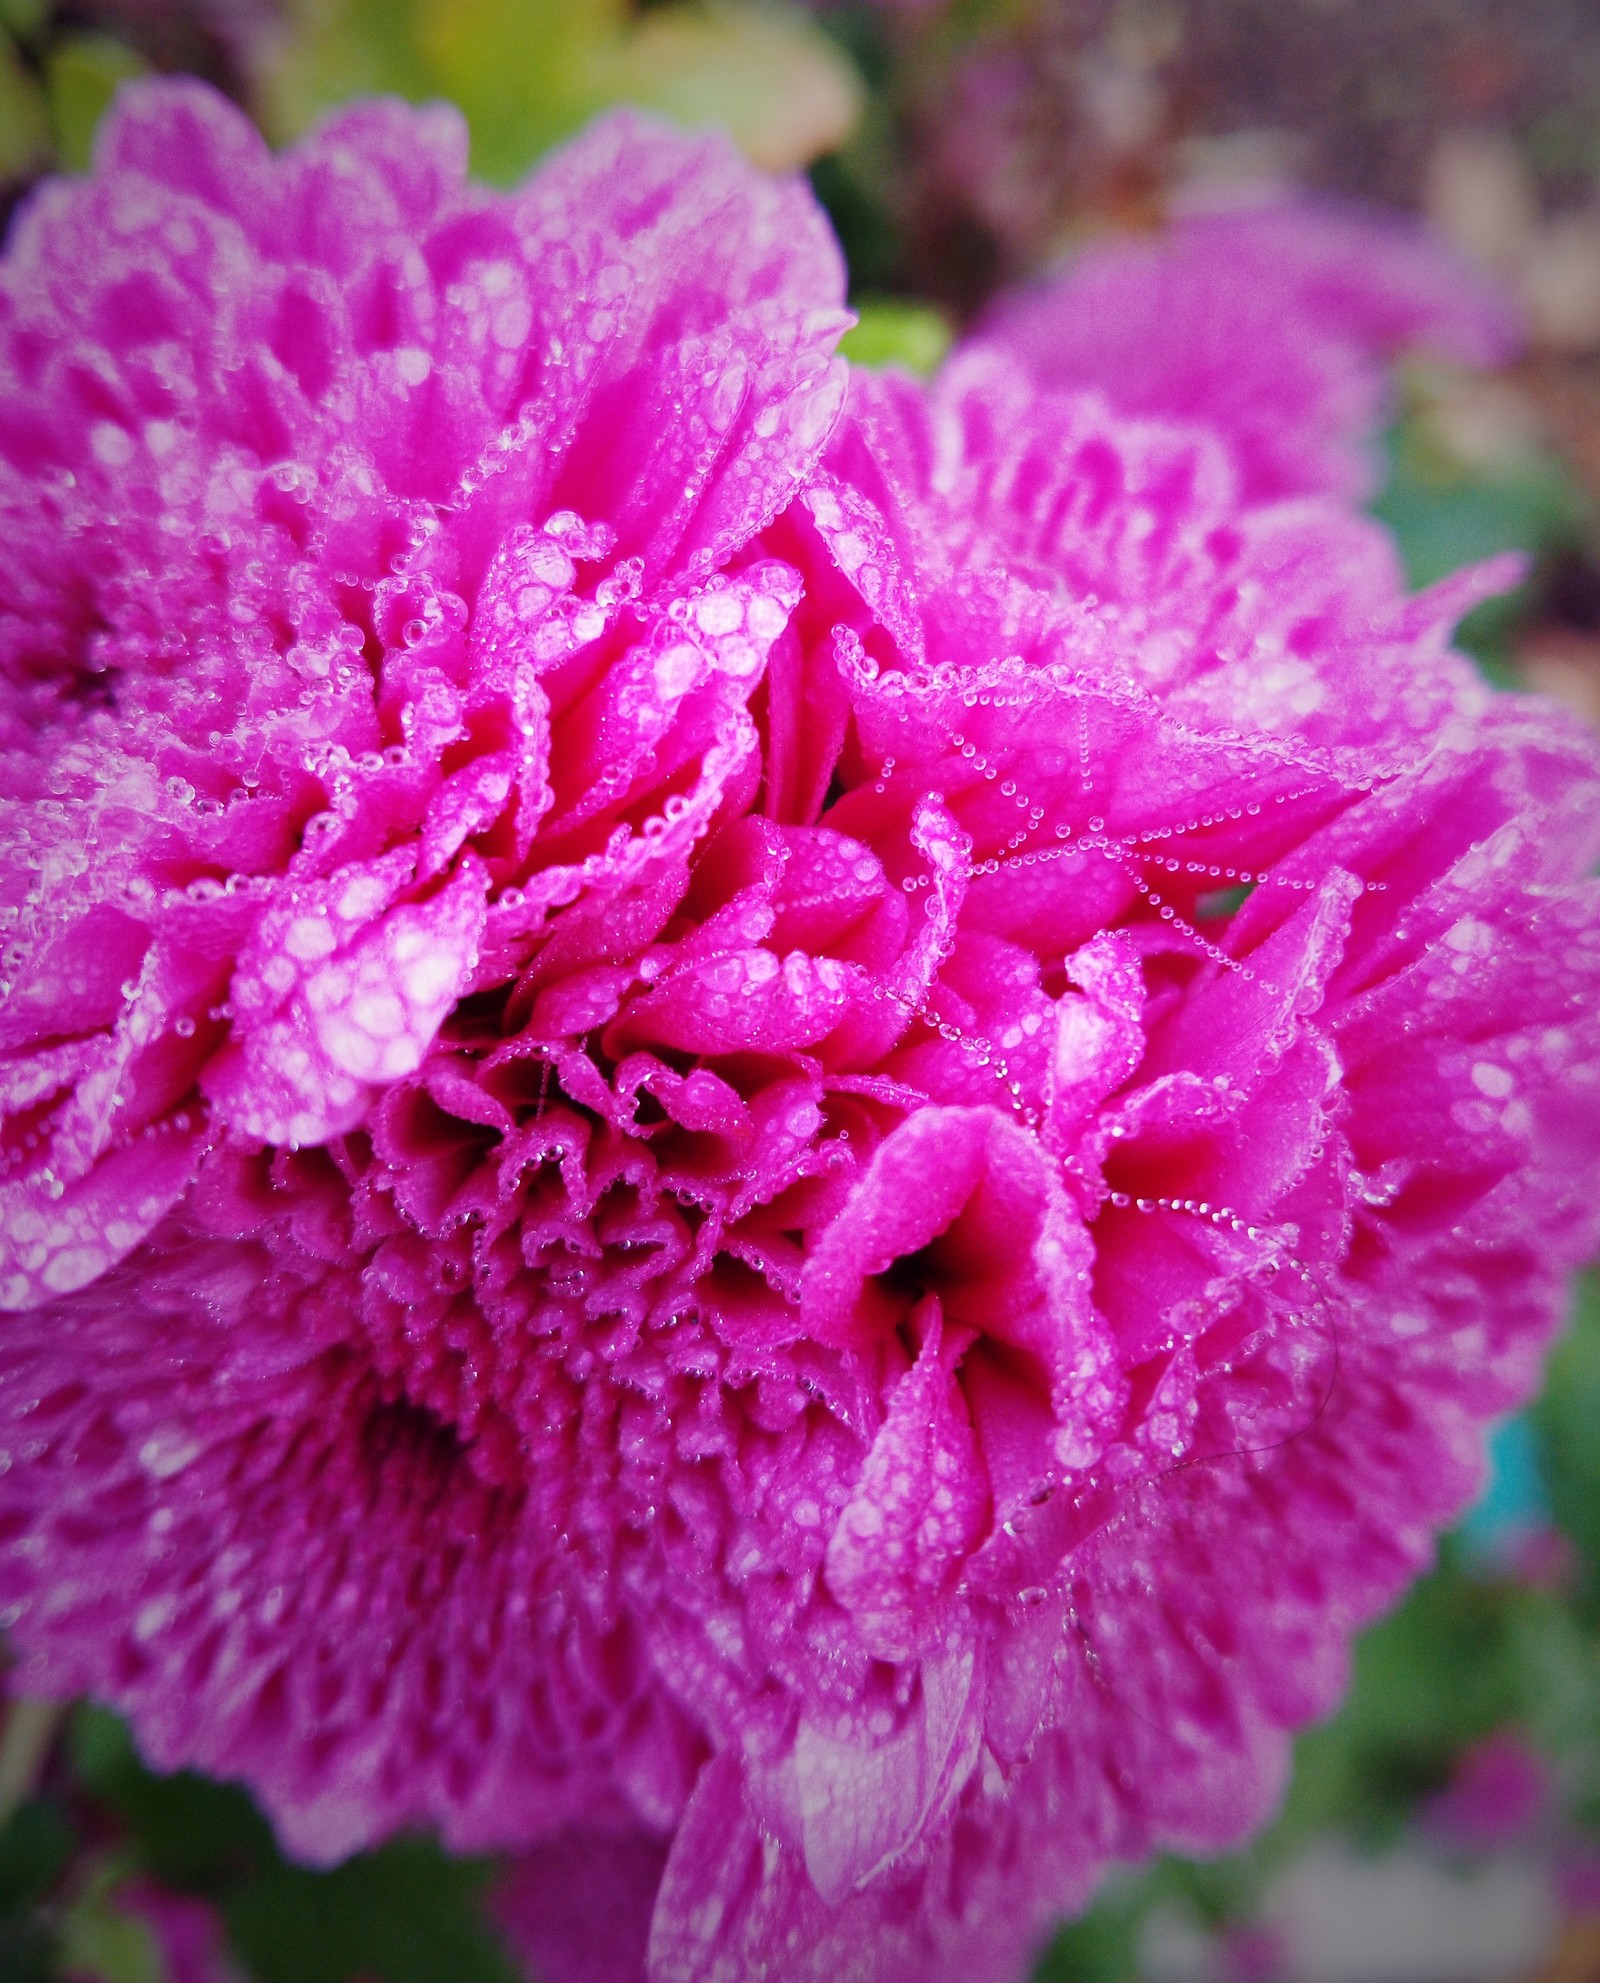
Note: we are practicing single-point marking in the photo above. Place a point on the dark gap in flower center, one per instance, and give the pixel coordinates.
(401, 1428)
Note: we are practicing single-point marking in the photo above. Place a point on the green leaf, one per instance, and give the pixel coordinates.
(1102, 1946)
(1558, 1665)
(894, 332)
(35, 1846)
(1445, 518)
(524, 71)
(23, 18)
(1446, 514)
(100, 1945)
(406, 1914)
(1566, 1423)
(783, 92)
(24, 121)
(190, 1832)
(856, 202)
(81, 78)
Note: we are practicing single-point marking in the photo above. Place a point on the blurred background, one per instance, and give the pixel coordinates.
(1445, 1827)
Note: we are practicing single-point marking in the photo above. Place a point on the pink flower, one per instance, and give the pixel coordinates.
(882, 1104)
(1500, 1790)
(268, 428)
(1267, 322)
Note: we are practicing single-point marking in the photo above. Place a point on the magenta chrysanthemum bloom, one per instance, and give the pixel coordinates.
(299, 456)
(782, 1153)
(1270, 323)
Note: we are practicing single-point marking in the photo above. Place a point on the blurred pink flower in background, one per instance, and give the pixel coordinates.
(1270, 322)
(779, 1139)
(1499, 1791)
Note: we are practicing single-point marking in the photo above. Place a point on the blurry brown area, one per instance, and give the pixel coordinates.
(1482, 189)
(1023, 127)
(1565, 394)
(1575, 1957)
(1558, 654)
(206, 38)
(1026, 123)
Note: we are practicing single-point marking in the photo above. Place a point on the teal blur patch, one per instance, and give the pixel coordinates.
(1514, 1504)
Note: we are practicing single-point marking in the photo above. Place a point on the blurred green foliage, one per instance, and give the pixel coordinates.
(404, 1914)
(24, 112)
(24, 117)
(56, 80)
(1446, 514)
(1450, 504)
(847, 187)
(97, 1938)
(528, 73)
(1567, 1422)
(82, 72)
(36, 1848)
